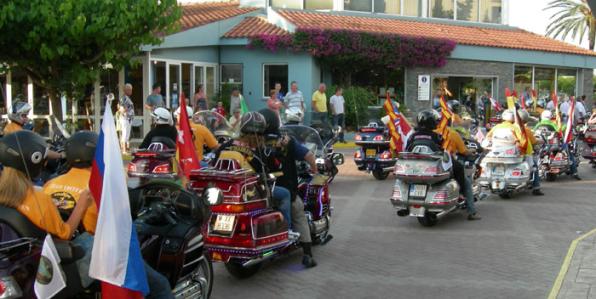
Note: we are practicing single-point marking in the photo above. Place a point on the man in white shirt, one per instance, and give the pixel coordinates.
(564, 108)
(580, 109)
(337, 109)
(294, 100)
(550, 105)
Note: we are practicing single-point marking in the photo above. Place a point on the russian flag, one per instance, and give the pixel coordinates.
(116, 257)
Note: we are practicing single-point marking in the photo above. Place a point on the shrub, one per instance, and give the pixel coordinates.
(357, 100)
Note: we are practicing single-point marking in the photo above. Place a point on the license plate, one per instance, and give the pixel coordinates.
(498, 185)
(224, 223)
(417, 212)
(499, 170)
(371, 152)
(418, 191)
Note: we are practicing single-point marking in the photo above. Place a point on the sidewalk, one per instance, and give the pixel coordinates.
(580, 279)
(349, 137)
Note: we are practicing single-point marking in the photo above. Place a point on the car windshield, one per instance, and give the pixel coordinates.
(307, 136)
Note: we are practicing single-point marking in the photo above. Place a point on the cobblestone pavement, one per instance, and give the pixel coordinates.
(515, 251)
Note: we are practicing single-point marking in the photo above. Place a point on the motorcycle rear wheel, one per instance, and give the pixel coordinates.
(429, 219)
(241, 272)
(380, 175)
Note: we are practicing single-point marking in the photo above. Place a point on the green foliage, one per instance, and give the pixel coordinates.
(566, 84)
(64, 44)
(357, 100)
(572, 18)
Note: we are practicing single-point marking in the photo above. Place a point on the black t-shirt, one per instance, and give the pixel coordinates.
(292, 152)
(428, 138)
(160, 131)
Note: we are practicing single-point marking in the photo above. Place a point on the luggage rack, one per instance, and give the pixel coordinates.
(224, 169)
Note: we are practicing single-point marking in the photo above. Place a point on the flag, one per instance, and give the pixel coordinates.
(399, 127)
(187, 153)
(568, 131)
(558, 121)
(243, 106)
(520, 133)
(496, 104)
(534, 99)
(510, 101)
(116, 257)
(479, 136)
(49, 279)
(444, 124)
(523, 102)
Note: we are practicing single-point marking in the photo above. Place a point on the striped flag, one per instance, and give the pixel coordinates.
(558, 121)
(520, 131)
(568, 131)
(444, 124)
(534, 99)
(399, 127)
(187, 154)
(510, 100)
(116, 256)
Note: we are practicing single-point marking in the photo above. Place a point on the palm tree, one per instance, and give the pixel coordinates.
(572, 17)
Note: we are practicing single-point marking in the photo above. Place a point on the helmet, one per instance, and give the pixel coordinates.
(80, 148)
(427, 120)
(508, 115)
(453, 105)
(18, 109)
(294, 115)
(188, 112)
(162, 116)
(546, 115)
(272, 120)
(252, 123)
(524, 115)
(24, 151)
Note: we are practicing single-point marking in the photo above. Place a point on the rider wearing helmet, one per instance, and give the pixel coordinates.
(546, 120)
(164, 127)
(201, 135)
(18, 117)
(525, 117)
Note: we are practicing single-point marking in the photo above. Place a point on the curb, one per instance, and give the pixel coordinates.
(347, 145)
(554, 292)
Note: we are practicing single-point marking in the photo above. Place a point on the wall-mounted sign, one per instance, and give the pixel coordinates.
(423, 87)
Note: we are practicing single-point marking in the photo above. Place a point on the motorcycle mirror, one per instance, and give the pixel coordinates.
(338, 158)
(213, 195)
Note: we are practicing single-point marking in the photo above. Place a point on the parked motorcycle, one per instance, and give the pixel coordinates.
(374, 155)
(554, 161)
(154, 162)
(169, 226)
(589, 149)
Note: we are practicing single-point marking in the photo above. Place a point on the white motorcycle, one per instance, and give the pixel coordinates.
(505, 171)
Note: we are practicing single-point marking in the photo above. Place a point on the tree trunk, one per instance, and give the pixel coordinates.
(56, 104)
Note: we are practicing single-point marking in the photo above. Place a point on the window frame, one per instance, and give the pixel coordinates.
(221, 66)
(265, 92)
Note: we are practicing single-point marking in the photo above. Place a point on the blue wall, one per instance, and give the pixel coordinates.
(202, 54)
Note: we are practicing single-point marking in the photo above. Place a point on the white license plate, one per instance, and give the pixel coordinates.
(498, 185)
(418, 190)
(417, 212)
(499, 170)
(224, 223)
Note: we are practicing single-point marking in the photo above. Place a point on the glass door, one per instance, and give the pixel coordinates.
(173, 99)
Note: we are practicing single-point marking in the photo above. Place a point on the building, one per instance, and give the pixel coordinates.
(211, 50)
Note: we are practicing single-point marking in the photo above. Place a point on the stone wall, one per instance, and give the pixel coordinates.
(586, 86)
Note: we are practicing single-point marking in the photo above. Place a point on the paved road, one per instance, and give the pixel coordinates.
(515, 251)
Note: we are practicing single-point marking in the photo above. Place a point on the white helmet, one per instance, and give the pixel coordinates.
(162, 116)
(524, 115)
(188, 112)
(294, 114)
(508, 115)
(18, 109)
(546, 115)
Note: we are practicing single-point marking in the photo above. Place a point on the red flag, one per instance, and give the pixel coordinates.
(523, 102)
(568, 132)
(514, 94)
(399, 127)
(187, 154)
(507, 92)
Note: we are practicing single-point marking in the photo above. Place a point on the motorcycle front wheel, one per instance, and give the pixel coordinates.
(429, 219)
(241, 272)
(380, 174)
(204, 274)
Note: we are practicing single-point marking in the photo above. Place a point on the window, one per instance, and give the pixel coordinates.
(41, 102)
(522, 78)
(19, 83)
(231, 73)
(297, 4)
(412, 8)
(275, 73)
(134, 76)
(441, 9)
(186, 70)
(358, 5)
(490, 11)
(174, 86)
(467, 10)
(210, 82)
(544, 82)
(318, 4)
(159, 76)
(566, 81)
(388, 6)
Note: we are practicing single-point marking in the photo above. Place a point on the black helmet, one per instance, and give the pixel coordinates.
(272, 120)
(453, 105)
(24, 151)
(427, 120)
(80, 149)
(252, 123)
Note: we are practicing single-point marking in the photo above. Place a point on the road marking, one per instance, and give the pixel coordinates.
(554, 292)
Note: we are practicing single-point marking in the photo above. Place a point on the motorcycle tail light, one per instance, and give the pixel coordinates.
(559, 157)
(145, 154)
(441, 195)
(358, 154)
(132, 167)
(238, 208)
(378, 138)
(399, 169)
(162, 168)
(386, 155)
(510, 152)
(516, 172)
(9, 288)
(357, 137)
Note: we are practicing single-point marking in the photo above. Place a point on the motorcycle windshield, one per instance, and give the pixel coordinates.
(214, 121)
(307, 136)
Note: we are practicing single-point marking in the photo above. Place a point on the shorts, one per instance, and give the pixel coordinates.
(125, 124)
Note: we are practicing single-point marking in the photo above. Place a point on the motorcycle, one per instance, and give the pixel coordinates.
(327, 160)
(374, 155)
(244, 230)
(154, 162)
(554, 161)
(589, 150)
(168, 222)
(505, 171)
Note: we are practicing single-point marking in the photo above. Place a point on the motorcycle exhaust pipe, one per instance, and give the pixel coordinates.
(257, 260)
(388, 168)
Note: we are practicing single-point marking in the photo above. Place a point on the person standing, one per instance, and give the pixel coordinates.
(235, 100)
(199, 101)
(337, 109)
(155, 99)
(294, 100)
(280, 95)
(580, 109)
(127, 113)
(235, 122)
(319, 104)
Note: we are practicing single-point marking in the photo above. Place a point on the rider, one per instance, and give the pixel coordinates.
(68, 190)
(289, 151)
(426, 133)
(525, 116)
(164, 127)
(18, 117)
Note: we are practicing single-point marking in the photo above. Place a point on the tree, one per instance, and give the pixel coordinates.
(63, 45)
(572, 17)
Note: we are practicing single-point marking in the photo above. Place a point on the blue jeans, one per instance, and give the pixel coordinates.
(320, 116)
(283, 199)
(571, 157)
(159, 286)
(469, 195)
(338, 120)
(535, 173)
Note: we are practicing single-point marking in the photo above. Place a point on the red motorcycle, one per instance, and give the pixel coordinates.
(154, 162)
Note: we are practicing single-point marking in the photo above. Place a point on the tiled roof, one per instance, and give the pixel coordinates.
(198, 14)
(504, 37)
(254, 26)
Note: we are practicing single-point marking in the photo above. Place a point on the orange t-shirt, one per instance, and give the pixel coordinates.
(12, 127)
(39, 208)
(202, 136)
(65, 191)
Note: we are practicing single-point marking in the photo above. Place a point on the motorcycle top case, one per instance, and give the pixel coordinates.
(422, 168)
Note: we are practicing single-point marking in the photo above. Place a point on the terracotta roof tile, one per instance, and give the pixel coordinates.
(505, 37)
(252, 27)
(198, 14)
